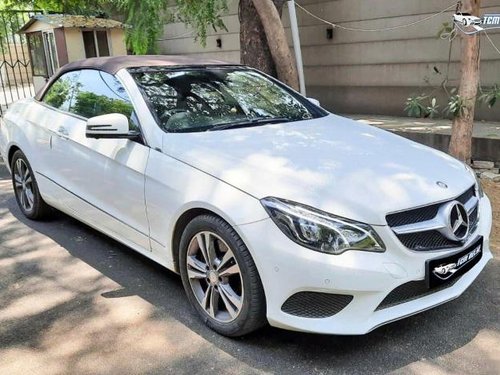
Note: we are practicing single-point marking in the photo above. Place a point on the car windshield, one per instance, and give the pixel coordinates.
(201, 99)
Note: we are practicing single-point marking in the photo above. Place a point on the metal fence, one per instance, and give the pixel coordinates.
(16, 77)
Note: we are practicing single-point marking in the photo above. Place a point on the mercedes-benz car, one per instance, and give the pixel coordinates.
(271, 209)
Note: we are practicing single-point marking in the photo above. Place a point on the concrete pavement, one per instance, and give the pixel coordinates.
(74, 301)
(436, 133)
(482, 129)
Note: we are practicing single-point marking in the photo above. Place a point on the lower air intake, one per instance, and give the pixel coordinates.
(410, 291)
(315, 305)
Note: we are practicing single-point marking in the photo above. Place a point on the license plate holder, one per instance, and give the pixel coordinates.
(445, 270)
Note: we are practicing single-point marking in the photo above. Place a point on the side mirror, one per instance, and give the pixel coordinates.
(314, 101)
(114, 125)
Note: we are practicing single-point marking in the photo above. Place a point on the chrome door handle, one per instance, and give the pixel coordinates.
(62, 131)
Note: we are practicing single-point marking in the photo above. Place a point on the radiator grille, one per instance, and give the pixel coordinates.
(427, 240)
(474, 219)
(431, 239)
(412, 216)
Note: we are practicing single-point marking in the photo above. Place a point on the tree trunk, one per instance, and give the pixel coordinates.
(277, 41)
(461, 135)
(253, 44)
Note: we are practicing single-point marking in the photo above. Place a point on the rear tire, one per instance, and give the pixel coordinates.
(26, 189)
(220, 277)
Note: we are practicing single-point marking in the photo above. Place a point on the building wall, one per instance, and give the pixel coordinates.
(74, 40)
(39, 26)
(363, 72)
(178, 39)
(117, 42)
(74, 44)
(76, 50)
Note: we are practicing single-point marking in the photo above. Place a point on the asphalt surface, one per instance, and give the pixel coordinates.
(74, 301)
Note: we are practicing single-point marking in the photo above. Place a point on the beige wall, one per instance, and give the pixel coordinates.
(117, 42)
(74, 44)
(186, 45)
(76, 50)
(363, 72)
(38, 26)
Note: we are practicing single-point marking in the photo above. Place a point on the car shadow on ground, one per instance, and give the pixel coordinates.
(429, 335)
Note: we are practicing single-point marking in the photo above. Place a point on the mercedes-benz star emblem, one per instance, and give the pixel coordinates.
(458, 222)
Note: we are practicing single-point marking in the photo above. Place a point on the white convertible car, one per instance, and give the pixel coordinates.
(271, 208)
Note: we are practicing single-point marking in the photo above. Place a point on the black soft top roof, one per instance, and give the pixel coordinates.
(115, 63)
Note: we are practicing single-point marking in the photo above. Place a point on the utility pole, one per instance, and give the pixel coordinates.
(461, 135)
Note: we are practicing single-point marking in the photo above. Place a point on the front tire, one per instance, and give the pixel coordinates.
(26, 189)
(220, 277)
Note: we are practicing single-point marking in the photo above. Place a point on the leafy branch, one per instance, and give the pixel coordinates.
(145, 17)
(421, 106)
(490, 96)
(425, 106)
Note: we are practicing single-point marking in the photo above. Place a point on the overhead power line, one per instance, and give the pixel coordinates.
(491, 42)
(477, 31)
(397, 27)
(184, 35)
(451, 35)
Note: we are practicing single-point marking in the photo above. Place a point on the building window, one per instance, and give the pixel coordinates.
(37, 54)
(102, 42)
(95, 43)
(50, 52)
(42, 48)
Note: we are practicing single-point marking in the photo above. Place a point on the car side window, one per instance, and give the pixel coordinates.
(59, 93)
(98, 93)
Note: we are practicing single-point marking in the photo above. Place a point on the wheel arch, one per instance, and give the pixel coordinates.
(183, 220)
(21, 144)
(10, 153)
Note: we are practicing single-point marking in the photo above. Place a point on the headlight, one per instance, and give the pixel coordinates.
(479, 187)
(320, 231)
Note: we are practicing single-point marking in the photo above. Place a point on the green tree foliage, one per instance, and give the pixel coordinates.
(202, 14)
(490, 96)
(146, 17)
(59, 93)
(89, 104)
(82, 7)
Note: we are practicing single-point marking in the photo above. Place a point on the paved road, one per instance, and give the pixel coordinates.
(74, 301)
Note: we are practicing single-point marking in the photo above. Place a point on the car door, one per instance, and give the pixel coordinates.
(104, 176)
(49, 115)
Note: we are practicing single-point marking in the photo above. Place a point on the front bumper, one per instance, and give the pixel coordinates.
(286, 268)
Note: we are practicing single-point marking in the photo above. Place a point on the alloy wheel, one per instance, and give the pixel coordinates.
(215, 276)
(23, 184)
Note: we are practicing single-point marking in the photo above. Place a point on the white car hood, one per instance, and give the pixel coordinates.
(332, 163)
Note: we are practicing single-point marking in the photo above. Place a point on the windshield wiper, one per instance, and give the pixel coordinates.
(250, 122)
